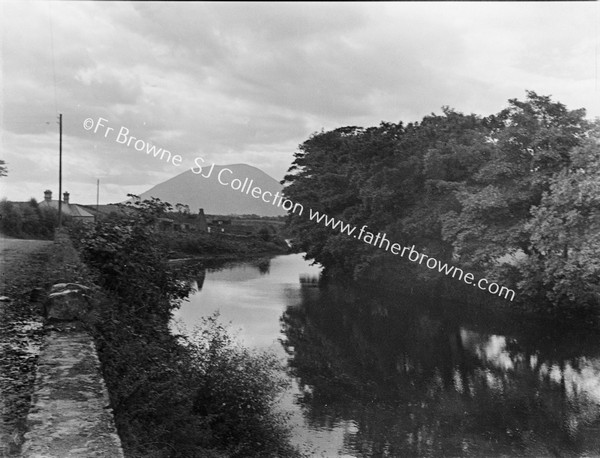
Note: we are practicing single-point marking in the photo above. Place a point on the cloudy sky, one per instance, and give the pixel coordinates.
(249, 82)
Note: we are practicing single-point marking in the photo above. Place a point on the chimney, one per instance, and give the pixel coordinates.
(201, 212)
(47, 195)
(66, 197)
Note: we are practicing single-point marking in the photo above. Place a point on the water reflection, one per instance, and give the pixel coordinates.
(423, 379)
(199, 279)
(377, 375)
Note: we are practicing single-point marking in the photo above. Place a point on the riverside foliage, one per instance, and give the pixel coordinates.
(471, 190)
(173, 396)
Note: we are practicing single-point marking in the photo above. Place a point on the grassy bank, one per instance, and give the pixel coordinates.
(202, 245)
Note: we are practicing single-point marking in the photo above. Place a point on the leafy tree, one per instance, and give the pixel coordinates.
(11, 219)
(564, 261)
(528, 143)
(322, 180)
(396, 179)
(456, 147)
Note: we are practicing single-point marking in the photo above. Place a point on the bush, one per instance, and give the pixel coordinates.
(237, 390)
(264, 233)
(132, 262)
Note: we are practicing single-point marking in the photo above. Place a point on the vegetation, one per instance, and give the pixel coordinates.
(173, 396)
(27, 220)
(465, 189)
(564, 230)
(202, 244)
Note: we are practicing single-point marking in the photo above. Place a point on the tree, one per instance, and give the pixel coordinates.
(396, 179)
(27, 220)
(322, 179)
(564, 264)
(528, 143)
(11, 219)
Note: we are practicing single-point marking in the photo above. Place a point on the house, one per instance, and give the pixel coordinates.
(242, 226)
(217, 224)
(107, 211)
(74, 211)
(184, 221)
(165, 224)
(173, 221)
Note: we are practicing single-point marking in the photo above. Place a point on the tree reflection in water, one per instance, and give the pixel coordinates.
(416, 378)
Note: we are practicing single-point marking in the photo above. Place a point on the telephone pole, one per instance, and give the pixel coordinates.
(60, 170)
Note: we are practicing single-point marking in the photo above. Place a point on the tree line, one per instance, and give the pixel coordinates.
(27, 219)
(514, 196)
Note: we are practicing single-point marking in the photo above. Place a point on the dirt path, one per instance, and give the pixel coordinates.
(23, 267)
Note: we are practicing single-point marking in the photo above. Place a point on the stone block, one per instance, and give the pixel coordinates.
(68, 302)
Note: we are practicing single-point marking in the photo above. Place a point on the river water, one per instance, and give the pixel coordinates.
(374, 374)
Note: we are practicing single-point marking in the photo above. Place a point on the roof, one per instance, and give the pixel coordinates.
(107, 209)
(73, 210)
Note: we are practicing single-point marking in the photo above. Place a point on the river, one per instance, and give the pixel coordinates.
(374, 374)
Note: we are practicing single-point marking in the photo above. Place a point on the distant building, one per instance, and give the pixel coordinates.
(174, 221)
(165, 224)
(220, 222)
(184, 222)
(217, 225)
(76, 212)
(108, 210)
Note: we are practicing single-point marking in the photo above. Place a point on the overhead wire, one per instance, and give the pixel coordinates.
(53, 56)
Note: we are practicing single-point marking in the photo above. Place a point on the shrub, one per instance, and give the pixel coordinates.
(236, 390)
(132, 262)
(264, 233)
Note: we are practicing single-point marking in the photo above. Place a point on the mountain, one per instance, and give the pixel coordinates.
(207, 191)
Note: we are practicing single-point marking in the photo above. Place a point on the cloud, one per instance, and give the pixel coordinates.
(249, 82)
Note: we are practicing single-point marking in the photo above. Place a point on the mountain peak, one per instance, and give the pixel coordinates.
(242, 189)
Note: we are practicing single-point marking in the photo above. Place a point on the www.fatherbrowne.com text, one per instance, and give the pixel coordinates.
(381, 241)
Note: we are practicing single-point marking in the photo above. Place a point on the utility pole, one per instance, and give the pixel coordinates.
(60, 170)
(97, 193)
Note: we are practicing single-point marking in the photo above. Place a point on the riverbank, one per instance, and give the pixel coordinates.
(203, 396)
(226, 257)
(222, 246)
